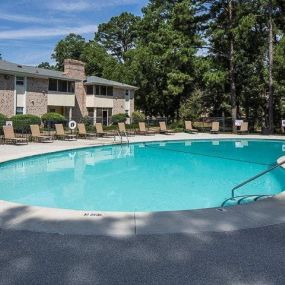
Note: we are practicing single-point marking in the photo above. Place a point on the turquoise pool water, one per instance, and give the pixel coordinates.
(161, 176)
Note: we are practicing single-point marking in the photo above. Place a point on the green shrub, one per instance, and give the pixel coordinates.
(192, 108)
(111, 128)
(132, 126)
(49, 119)
(177, 126)
(138, 117)
(89, 123)
(3, 119)
(119, 118)
(21, 123)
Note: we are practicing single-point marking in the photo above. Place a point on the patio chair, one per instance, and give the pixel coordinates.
(9, 136)
(163, 129)
(123, 131)
(143, 131)
(101, 133)
(243, 128)
(82, 132)
(59, 132)
(37, 136)
(189, 128)
(215, 127)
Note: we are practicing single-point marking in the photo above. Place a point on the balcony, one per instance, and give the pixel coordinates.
(61, 99)
(93, 101)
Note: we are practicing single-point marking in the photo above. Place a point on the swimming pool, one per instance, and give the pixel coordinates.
(159, 176)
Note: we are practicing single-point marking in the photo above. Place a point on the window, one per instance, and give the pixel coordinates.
(104, 116)
(99, 112)
(89, 90)
(98, 90)
(127, 95)
(19, 111)
(52, 85)
(90, 112)
(20, 80)
(104, 90)
(71, 86)
(109, 91)
(61, 85)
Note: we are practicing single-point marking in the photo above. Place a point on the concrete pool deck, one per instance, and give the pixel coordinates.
(13, 216)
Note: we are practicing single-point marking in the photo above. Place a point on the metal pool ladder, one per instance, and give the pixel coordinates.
(280, 162)
(125, 135)
(238, 200)
(256, 176)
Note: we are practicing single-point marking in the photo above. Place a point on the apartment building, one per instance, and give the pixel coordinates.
(32, 90)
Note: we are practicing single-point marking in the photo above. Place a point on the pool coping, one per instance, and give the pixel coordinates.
(269, 211)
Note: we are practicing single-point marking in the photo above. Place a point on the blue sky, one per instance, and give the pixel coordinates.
(29, 29)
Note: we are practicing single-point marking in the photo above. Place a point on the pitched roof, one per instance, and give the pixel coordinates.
(101, 81)
(9, 67)
(19, 69)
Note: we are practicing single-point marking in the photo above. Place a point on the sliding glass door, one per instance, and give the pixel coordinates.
(104, 116)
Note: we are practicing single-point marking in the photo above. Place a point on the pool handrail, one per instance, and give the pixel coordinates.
(125, 134)
(256, 176)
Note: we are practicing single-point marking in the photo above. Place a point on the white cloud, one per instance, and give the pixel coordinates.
(33, 57)
(21, 18)
(70, 6)
(84, 5)
(28, 19)
(45, 32)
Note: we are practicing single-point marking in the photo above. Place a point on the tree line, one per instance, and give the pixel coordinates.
(193, 58)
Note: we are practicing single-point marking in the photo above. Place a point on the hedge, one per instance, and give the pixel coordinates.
(21, 123)
(49, 119)
(138, 117)
(119, 118)
(3, 119)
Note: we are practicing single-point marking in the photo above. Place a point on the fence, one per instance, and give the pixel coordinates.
(226, 123)
(88, 120)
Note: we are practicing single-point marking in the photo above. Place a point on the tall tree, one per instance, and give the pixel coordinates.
(221, 35)
(270, 67)
(239, 74)
(164, 59)
(46, 65)
(232, 65)
(72, 46)
(251, 72)
(95, 57)
(272, 14)
(119, 34)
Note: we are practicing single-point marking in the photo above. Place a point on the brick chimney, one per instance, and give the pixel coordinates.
(74, 69)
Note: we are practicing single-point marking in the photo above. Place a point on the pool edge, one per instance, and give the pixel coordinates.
(267, 212)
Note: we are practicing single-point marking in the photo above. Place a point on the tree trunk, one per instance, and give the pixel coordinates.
(270, 67)
(232, 70)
